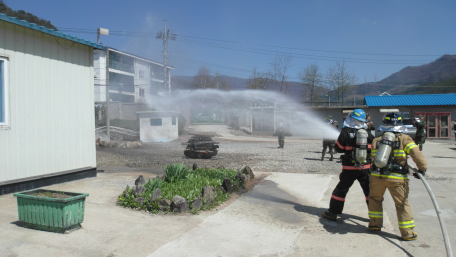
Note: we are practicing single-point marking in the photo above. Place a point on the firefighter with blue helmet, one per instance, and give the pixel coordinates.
(390, 170)
(355, 144)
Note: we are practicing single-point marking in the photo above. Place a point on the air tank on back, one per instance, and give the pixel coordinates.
(361, 145)
(384, 150)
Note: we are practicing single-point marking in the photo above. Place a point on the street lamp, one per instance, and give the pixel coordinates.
(101, 31)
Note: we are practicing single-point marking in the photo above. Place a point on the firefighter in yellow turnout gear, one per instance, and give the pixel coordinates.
(390, 171)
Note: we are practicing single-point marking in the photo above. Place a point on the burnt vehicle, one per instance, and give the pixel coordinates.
(201, 146)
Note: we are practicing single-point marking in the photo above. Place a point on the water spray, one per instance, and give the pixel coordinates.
(304, 121)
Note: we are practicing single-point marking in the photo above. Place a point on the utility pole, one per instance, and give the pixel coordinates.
(165, 36)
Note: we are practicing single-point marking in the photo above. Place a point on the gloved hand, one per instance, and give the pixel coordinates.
(420, 171)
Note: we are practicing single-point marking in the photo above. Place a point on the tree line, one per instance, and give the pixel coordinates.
(334, 84)
(23, 15)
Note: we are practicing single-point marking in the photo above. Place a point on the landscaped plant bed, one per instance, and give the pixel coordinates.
(51, 210)
(182, 189)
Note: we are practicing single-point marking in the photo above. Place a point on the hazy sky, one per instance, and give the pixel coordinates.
(374, 38)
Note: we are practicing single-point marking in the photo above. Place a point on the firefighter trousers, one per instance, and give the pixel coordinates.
(399, 191)
(346, 180)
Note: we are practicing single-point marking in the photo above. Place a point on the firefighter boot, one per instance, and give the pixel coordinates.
(414, 237)
(375, 228)
(329, 215)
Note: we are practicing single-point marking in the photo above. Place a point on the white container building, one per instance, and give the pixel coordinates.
(158, 126)
(46, 106)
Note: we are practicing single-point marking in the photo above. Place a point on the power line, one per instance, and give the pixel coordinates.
(238, 69)
(296, 54)
(135, 33)
(308, 49)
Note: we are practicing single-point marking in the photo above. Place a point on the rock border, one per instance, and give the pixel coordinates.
(179, 204)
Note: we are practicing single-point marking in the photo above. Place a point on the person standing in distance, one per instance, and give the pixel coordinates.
(389, 171)
(454, 128)
(420, 136)
(281, 135)
(351, 169)
(370, 125)
(329, 143)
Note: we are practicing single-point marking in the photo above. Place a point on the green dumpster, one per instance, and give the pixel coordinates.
(61, 215)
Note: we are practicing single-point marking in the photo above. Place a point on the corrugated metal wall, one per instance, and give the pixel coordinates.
(51, 104)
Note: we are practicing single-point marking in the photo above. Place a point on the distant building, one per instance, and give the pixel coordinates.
(131, 78)
(46, 106)
(439, 110)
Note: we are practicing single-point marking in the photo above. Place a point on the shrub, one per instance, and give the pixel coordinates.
(178, 180)
(153, 184)
(175, 172)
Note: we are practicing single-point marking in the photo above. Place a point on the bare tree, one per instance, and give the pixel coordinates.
(203, 79)
(259, 80)
(220, 82)
(312, 82)
(340, 80)
(280, 66)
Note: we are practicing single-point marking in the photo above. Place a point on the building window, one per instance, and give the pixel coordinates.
(156, 122)
(3, 91)
(141, 74)
(174, 120)
(141, 92)
(121, 62)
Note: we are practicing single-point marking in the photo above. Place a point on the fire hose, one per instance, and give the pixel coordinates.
(437, 210)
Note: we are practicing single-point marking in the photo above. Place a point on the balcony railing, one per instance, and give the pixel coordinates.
(121, 66)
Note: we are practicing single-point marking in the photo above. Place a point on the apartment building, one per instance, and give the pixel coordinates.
(131, 78)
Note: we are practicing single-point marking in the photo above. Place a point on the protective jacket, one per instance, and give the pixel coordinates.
(406, 147)
(346, 144)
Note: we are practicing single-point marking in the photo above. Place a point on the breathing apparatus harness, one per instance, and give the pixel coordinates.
(359, 155)
(356, 121)
(385, 162)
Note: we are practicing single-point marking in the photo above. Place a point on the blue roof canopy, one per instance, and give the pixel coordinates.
(52, 32)
(410, 100)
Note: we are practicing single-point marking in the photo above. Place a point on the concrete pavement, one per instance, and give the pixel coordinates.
(279, 217)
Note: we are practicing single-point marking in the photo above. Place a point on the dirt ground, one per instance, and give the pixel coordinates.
(260, 156)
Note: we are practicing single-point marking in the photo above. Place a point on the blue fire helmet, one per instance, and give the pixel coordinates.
(358, 114)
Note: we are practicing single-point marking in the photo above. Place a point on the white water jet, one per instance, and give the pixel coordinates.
(304, 122)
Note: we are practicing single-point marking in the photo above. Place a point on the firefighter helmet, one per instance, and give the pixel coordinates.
(392, 119)
(356, 119)
(392, 122)
(358, 114)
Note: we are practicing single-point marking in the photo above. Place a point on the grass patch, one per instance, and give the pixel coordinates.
(180, 180)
